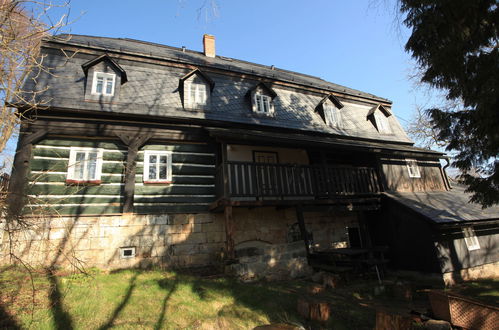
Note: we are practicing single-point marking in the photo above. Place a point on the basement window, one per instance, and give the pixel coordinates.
(413, 168)
(127, 252)
(103, 84)
(85, 165)
(470, 239)
(157, 166)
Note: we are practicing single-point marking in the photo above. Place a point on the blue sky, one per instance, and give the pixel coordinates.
(352, 43)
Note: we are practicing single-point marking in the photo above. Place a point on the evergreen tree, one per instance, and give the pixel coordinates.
(456, 44)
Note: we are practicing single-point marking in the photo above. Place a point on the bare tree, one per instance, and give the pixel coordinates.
(421, 130)
(23, 24)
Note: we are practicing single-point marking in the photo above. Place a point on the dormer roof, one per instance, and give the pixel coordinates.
(265, 87)
(87, 65)
(199, 73)
(381, 108)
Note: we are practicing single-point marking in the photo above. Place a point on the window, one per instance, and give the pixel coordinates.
(196, 93)
(262, 103)
(413, 168)
(157, 166)
(332, 115)
(85, 165)
(382, 123)
(127, 252)
(470, 239)
(103, 83)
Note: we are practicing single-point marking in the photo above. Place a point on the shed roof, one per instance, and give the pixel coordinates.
(445, 207)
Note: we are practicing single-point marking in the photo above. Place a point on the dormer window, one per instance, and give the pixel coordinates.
(332, 115)
(379, 117)
(382, 123)
(262, 103)
(262, 99)
(103, 83)
(104, 78)
(329, 109)
(196, 91)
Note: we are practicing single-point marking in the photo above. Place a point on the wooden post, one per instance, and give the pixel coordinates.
(134, 144)
(383, 184)
(225, 170)
(229, 233)
(20, 169)
(301, 224)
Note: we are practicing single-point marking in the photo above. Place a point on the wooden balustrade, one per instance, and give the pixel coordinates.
(262, 180)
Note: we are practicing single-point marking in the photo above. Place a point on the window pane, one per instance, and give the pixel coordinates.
(109, 86)
(193, 94)
(162, 172)
(100, 84)
(162, 159)
(152, 159)
(79, 171)
(266, 104)
(152, 172)
(91, 165)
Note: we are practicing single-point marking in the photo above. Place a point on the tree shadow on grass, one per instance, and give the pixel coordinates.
(7, 321)
(166, 285)
(122, 304)
(62, 319)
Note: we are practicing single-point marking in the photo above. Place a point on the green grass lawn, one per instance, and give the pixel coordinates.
(486, 291)
(155, 299)
(140, 299)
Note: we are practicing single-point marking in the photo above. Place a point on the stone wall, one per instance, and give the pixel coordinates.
(270, 261)
(175, 240)
(181, 240)
(275, 226)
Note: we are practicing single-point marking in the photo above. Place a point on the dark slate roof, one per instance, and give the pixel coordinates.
(153, 90)
(198, 58)
(445, 207)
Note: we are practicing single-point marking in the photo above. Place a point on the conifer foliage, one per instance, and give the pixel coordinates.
(456, 45)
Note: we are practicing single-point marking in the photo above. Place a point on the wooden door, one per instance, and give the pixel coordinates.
(265, 173)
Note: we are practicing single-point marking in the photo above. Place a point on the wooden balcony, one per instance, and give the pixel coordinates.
(262, 181)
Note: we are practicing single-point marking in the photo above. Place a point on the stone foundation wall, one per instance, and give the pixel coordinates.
(175, 240)
(275, 226)
(487, 271)
(181, 240)
(271, 261)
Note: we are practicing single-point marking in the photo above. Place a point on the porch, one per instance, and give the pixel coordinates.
(240, 183)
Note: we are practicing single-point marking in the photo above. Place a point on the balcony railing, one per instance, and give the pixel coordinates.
(262, 180)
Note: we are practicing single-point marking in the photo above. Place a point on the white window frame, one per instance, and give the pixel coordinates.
(72, 165)
(262, 100)
(470, 238)
(382, 123)
(332, 115)
(145, 174)
(197, 101)
(413, 168)
(105, 76)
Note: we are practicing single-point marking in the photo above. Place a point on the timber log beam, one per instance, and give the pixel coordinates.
(134, 143)
(20, 168)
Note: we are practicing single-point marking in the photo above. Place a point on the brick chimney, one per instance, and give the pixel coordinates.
(209, 45)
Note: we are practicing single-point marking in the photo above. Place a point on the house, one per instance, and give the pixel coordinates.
(142, 154)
